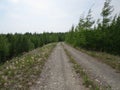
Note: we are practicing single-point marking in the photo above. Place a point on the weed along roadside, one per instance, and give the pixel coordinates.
(21, 72)
(87, 80)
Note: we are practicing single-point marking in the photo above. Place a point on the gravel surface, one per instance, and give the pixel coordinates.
(102, 72)
(58, 73)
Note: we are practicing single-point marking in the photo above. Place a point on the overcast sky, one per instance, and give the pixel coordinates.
(46, 15)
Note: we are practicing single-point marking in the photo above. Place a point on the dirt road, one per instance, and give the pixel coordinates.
(58, 73)
(102, 72)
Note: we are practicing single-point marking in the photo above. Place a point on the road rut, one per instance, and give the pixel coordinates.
(58, 73)
(102, 72)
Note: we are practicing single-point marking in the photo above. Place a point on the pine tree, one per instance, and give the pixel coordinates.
(89, 20)
(4, 48)
(106, 12)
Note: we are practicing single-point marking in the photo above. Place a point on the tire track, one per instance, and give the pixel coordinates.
(103, 73)
(58, 73)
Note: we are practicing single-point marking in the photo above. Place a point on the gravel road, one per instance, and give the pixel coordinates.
(102, 72)
(58, 73)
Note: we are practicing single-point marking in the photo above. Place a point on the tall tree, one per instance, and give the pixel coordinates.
(4, 48)
(106, 12)
(89, 20)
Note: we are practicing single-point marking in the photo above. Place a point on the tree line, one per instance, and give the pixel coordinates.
(12, 45)
(100, 35)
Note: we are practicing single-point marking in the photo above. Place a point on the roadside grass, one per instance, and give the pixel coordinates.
(21, 72)
(109, 59)
(87, 81)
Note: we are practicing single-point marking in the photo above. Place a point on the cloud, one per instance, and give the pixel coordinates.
(45, 15)
(14, 1)
(37, 4)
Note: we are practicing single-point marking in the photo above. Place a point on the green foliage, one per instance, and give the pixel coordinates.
(15, 44)
(27, 44)
(88, 20)
(4, 48)
(104, 37)
(106, 12)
